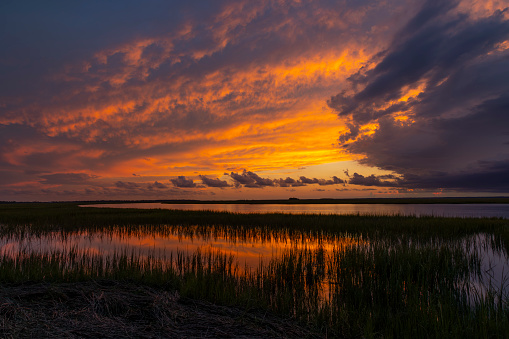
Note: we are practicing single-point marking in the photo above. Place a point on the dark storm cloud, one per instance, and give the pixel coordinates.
(429, 11)
(372, 180)
(67, 178)
(440, 144)
(213, 182)
(433, 52)
(489, 177)
(182, 182)
(458, 123)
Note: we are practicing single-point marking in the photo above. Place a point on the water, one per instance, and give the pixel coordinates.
(253, 249)
(249, 248)
(441, 210)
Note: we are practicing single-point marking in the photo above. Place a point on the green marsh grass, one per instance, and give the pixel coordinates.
(399, 277)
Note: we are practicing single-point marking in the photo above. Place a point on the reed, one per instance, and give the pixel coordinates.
(40, 218)
(397, 277)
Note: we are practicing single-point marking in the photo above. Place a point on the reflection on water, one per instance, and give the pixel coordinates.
(254, 250)
(446, 210)
(248, 249)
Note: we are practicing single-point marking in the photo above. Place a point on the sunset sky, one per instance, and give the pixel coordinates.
(243, 99)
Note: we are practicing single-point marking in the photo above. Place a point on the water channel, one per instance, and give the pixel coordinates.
(439, 210)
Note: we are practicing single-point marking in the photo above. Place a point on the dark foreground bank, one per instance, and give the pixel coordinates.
(112, 309)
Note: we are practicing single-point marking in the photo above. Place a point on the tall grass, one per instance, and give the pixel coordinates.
(400, 277)
(351, 291)
(68, 217)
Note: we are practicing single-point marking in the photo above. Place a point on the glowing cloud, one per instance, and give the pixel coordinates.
(179, 93)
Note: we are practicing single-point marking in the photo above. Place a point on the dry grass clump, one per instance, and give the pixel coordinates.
(112, 309)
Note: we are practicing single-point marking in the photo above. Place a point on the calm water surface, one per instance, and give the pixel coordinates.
(250, 250)
(445, 210)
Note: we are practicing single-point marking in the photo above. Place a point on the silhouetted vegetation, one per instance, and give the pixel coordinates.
(397, 277)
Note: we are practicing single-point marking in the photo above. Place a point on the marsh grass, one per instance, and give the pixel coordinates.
(401, 277)
(371, 291)
(68, 217)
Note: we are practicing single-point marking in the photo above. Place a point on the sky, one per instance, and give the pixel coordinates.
(241, 99)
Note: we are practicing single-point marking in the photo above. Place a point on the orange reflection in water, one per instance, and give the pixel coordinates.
(249, 248)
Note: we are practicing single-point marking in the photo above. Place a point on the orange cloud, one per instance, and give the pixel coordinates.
(244, 86)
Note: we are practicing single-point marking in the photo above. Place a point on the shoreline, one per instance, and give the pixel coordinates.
(297, 201)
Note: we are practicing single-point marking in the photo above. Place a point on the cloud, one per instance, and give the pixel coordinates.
(213, 182)
(169, 80)
(335, 180)
(433, 109)
(428, 53)
(127, 185)
(322, 182)
(167, 88)
(250, 179)
(372, 180)
(158, 185)
(305, 180)
(288, 182)
(67, 178)
(182, 182)
(488, 177)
